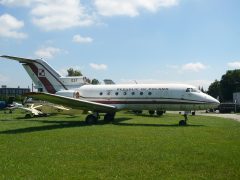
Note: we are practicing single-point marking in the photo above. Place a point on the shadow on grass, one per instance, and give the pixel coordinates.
(120, 122)
(59, 124)
(149, 116)
(51, 125)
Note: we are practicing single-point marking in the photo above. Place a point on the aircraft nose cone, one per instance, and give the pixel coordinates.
(213, 100)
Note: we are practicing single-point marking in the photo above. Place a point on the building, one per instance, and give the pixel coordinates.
(236, 98)
(12, 92)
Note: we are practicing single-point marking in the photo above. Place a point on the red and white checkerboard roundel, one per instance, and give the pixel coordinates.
(41, 73)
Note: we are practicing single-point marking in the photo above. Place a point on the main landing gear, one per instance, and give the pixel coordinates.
(158, 113)
(109, 117)
(184, 122)
(93, 118)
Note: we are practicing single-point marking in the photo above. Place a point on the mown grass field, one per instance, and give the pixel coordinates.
(134, 147)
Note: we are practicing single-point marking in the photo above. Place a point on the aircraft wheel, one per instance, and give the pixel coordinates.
(109, 117)
(138, 112)
(160, 113)
(182, 123)
(151, 113)
(91, 119)
(28, 116)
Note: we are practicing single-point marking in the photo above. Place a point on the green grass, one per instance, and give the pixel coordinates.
(134, 147)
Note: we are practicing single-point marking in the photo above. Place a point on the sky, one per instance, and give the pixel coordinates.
(147, 41)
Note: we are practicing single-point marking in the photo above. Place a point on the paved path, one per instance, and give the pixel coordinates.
(235, 117)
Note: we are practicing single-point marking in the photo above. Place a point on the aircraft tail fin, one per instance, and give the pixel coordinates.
(44, 76)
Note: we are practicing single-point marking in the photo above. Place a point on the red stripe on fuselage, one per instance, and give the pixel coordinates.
(147, 102)
(49, 87)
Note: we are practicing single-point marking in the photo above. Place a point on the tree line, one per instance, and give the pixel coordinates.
(224, 88)
(72, 72)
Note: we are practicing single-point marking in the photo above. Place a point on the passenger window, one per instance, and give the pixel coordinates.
(125, 93)
(116, 93)
(100, 93)
(141, 93)
(149, 93)
(133, 93)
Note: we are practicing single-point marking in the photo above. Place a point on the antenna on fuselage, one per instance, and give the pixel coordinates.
(135, 81)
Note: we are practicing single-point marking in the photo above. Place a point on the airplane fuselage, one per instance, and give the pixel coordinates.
(145, 96)
(74, 93)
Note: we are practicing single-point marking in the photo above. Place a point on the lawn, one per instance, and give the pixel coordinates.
(133, 147)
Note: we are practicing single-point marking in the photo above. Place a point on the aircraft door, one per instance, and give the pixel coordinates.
(76, 94)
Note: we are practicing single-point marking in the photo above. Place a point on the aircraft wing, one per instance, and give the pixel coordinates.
(31, 110)
(73, 103)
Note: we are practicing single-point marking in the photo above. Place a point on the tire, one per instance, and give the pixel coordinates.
(138, 112)
(160, 113)
(109, 117)
(91, 119)
(182, 123)
(151, 112)
(28, 116)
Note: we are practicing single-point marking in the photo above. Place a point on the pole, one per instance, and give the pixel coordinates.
(235, 102)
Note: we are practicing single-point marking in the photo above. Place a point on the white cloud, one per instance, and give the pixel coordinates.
(80, 39)
(189, 67)
(10, 27)
(63, 14)
(130, 7)
(3, 79)
(47, 52)
(195, 67)
(234, 65)
(16, 2)
(98, 66)
(60, 14)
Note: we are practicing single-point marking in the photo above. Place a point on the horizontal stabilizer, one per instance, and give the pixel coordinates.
(19, 59)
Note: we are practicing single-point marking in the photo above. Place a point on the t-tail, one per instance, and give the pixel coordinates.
(45, 78)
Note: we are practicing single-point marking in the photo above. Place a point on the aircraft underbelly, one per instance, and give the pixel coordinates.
(169, 107)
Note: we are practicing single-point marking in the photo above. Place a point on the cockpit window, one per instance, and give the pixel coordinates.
(192, 90)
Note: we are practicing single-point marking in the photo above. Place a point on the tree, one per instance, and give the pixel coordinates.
(72, 72)
(214, 89)
(229, 84)
(95, 82)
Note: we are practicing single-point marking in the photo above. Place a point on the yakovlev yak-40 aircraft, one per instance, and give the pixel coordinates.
(75, 93)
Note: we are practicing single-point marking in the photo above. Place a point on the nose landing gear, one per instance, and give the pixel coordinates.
(184, 122)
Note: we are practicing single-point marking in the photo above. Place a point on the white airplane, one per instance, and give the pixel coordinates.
(75, 93)
(42, 108)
